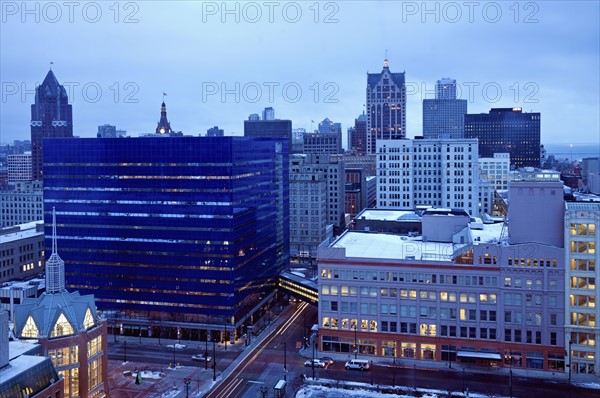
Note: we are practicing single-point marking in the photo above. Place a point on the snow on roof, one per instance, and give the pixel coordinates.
(387, 246)
(26, 231)
(383, 215)
(359, 244)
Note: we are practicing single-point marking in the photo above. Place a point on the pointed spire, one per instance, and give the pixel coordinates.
(55, 266)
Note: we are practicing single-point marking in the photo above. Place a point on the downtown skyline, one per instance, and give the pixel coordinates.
(216, 70)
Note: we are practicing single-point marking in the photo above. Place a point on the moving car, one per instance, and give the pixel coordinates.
(201, 358)
(360, 364)
(318, 363)
(327, 360)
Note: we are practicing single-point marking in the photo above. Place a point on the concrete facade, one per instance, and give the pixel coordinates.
(436, 172)
(582, 331)
(21, 204)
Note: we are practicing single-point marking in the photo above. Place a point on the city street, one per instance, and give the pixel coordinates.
(253, 371)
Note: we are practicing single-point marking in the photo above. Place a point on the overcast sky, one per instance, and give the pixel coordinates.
(306, 59)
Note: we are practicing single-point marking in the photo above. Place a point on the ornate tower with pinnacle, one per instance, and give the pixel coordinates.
(163, 127)
(55, 266)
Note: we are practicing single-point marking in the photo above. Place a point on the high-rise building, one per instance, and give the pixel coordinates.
(308, 207)
(181, 231)
(327, 139)
(51, 116)
(278, 128)
(21, 204)
(507, 130)
(357, 136)
(68, 327)
(493, 176)
(215, 132)
(22, 251)
(333, 171)
(386, 107)
(444, 116)
(109, 131)
(457, 293)
(19, 167)
(428, 172)
(445, 88)
(268, 114)
(582, 330)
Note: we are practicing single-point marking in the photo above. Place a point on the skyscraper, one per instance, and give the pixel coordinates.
(386, 107)
(51, 116)
(507, 130)
(444, 116)
(187, 229)
(357, 136)
(445, 88)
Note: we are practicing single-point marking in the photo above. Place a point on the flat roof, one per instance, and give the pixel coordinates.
(383, 215)
(360, 244)
(26, 231)
(37, 283)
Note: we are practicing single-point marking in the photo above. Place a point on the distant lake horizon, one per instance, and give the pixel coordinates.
(577, 152)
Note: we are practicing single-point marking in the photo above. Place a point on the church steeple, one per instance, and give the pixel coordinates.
(164, 127)
(55, 266)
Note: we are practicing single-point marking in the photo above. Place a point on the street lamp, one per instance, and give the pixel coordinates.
(206, 352)
(187, 382)
(214, 365)
(225, 333)
(284, 361)
(174, 356)
(570, 362)
(125, 351)
(355, 340)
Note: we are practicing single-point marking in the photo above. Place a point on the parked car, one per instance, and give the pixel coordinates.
(201, 358)
(318, 363)
(327, 360)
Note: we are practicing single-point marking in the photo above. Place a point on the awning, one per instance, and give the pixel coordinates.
(482, 355)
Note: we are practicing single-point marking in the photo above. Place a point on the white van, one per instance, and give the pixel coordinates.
(361, 364)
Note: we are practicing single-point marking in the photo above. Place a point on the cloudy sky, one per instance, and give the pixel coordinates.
(218, 62)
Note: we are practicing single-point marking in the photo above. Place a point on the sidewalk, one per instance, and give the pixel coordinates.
(164, 382)
(454, 367)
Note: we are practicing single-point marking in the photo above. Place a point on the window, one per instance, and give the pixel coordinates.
(62, 327)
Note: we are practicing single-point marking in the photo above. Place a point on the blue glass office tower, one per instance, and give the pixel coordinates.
(173, 228)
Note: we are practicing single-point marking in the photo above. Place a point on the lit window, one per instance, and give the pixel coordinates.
(88, 321)
(30, 330)
(62, 327)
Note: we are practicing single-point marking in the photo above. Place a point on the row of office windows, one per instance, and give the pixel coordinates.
(409, 277)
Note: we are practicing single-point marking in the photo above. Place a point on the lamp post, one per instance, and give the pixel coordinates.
(140, 330)
(206, 352)
(125, 351)
(355, 340)
(214, 365)
(225, 337)
(187, 382)
(570, 361)
(284, 361)
(174, 356)
(313, 359)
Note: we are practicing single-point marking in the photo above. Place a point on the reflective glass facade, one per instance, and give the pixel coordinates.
(188, 225)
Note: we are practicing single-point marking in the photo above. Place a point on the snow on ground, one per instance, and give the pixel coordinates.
(362, 390)
(177, 346)
(146, 374)
(591, 386)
